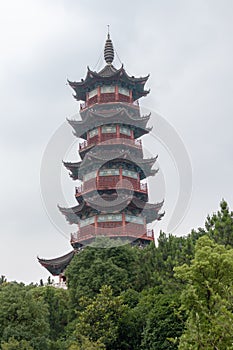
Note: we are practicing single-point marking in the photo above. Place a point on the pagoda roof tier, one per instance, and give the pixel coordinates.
(108, 194)
(110, 203)
(94, 119)
(109, 108)
(95, 159)
(135, 146)
(57, 265)
(109, 75)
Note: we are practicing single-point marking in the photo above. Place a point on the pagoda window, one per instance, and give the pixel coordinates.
(109, 129)
(89, 176)
(109, 172)
(107, 89)
(92, 93)
(134, 219)
(123, 91)
(87, 221)
(129, 173)
(93, 132)
(109, 217)
(125, 130)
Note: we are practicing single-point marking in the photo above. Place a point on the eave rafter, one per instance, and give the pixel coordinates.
(94, 119)
(115, 205)
(94, 160)
(57, 265)
(107, 76)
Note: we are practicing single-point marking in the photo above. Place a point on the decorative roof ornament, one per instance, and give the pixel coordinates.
(108, 50)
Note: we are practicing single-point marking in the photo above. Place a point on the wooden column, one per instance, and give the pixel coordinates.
(118, 131)
(98, 94)
(131, 134)
(96, 225)
(130, 96)
(123, 223)
(97, 180)
(116, 93)
(99, 134)
(120, 173)
(139, 185)
(145, 227)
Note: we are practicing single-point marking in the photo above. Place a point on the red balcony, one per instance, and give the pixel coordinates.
(109, 98)
(111, 182)
(113, 140)
(92, 100)
(129, 230)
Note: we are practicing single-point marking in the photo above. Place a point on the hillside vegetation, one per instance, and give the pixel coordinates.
(177, 295)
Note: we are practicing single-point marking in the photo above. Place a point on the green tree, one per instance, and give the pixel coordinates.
(14, 344)
(50, 281)
(171, 251)
(208, 298)
(219, 226)
(3, 279)
(86, 344)
(131, 323)
(99, 320)
(56, 300)
(162, 323)
(22, 317)
(41, 283)
(118, 267)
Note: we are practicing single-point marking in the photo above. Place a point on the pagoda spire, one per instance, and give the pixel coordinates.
(108, 50)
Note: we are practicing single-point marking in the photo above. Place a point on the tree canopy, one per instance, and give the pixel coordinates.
(177, 295)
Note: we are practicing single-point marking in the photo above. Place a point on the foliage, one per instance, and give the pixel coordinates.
(99, 320)
(14, 344)
(86, 344)
(171, 251)
(21, 316)
(219, 227)
(3, 279)
(94, 267)
(208, 297)
(163, 322)
(176, 295)
(56, 302)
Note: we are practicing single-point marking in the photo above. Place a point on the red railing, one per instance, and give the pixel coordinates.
(111, 182)
(123, 98)
(113, 141)
(133, 230)
(109, 98)
(92, 100)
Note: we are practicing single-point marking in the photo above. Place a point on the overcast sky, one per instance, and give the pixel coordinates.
(186, 46)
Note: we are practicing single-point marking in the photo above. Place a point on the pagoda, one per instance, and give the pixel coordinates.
(112, 200)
